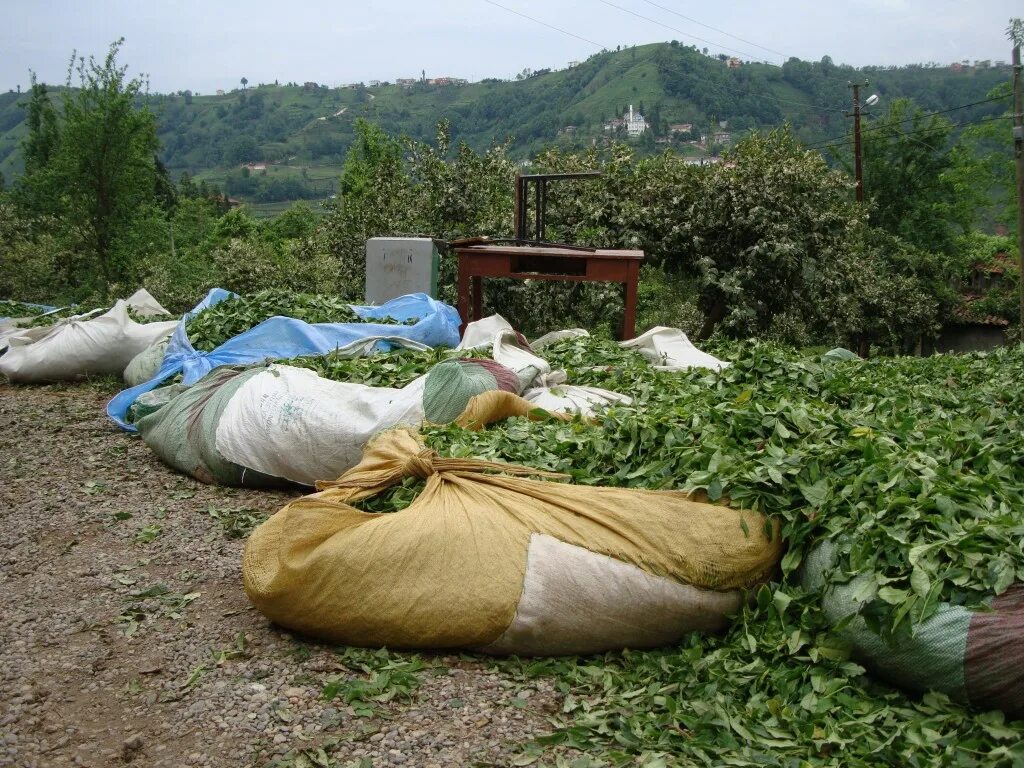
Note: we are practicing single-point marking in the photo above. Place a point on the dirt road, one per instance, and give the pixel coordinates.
(126, 636)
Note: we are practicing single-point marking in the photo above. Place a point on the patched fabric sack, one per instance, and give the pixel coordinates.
(488, 559)
(975, 657)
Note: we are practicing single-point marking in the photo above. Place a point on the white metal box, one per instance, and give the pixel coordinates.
(396, 266)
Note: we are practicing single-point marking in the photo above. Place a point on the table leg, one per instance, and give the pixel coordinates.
(478, 297)
(463, 289)
(629, 316)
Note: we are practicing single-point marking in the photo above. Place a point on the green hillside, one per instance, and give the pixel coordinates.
(301, 132)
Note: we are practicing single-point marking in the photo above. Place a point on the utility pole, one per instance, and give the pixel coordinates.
(857, 161)
(1016, 33)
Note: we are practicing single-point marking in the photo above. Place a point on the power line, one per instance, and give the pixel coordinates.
(681, 32)
(922, 131)
(906, 120)
(722, 85)
(713, 86)
(715, 29)
(549, 26)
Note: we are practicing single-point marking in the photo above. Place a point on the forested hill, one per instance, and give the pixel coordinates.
(302, 131)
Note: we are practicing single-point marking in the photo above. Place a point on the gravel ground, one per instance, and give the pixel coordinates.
(126, 636)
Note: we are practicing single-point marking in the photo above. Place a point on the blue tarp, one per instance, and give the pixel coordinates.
(286, 337)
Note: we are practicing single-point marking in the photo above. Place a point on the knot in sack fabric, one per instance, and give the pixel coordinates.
(421, 465)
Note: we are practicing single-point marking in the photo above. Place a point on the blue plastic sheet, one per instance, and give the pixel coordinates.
(286, 337)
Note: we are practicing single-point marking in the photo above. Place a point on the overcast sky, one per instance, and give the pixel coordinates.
(203, 45)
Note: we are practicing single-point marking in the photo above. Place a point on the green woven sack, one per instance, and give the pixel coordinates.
(839, 354)
(450, 386)
(972, 656)
(183, 433)
(145, 365)
(153, 401)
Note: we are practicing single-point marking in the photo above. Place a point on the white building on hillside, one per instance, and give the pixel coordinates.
(635, 123)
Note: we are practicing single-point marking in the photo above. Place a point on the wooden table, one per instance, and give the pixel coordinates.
(545, 263)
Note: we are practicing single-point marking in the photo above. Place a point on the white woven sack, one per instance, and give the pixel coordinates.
(566, 398)
(81, 347)
(289, 422)
(669, 349)
(576, 602)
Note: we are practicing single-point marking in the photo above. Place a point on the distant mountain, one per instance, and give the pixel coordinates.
(294, 137)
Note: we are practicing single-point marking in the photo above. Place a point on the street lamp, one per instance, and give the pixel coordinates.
(857, 164)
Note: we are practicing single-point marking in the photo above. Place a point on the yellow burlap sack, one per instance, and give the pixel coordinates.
(485, 558)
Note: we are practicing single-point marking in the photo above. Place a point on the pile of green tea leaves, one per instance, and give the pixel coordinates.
(913, 467)
(143, 319)
(214, 325)
(10, 308)
(392, 369)
(40, 320)
(52, 318)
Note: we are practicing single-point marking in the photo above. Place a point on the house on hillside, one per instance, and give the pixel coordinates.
(680, 128)
(220, 91)
(255, 167)
(721, 137)
(406, 82)
(614, 124)
(733, 63)
(374, 84)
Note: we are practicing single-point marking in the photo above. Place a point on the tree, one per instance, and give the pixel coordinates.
(764, 237)
(242, 149)
(41, 144)
(245, 82)
(94, 167)
(917, 179)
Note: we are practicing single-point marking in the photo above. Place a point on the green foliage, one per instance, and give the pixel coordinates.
(18, 309)
(395, 369)
(897, 294)
(381, 195)
(921, 185)
(214, 325)
(173, 251)
(988, 274)
(991, 146)
(237, 522)
(769, 233)
(293, 125)
(92, 169)
(387, 678)
(43, 131)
